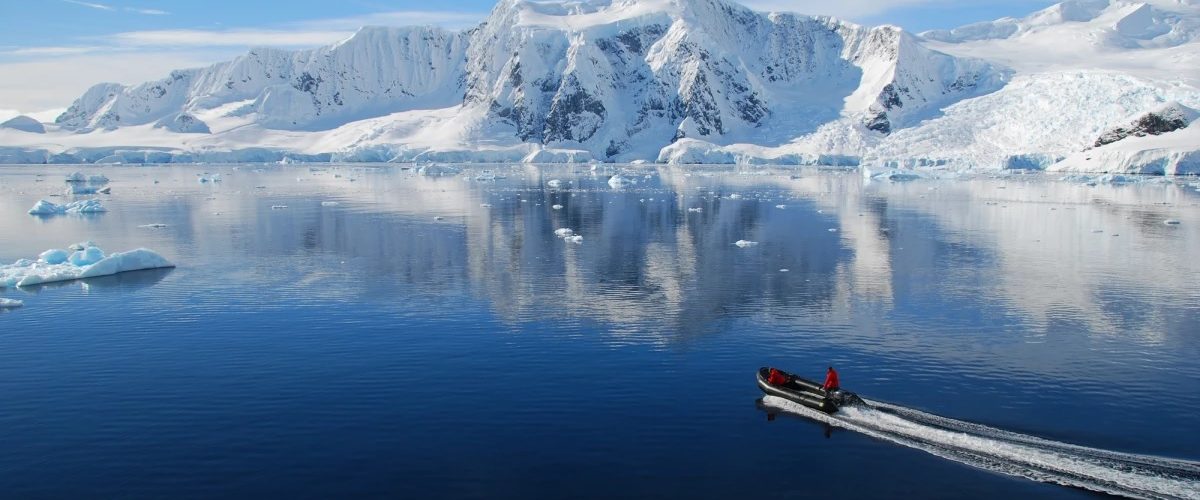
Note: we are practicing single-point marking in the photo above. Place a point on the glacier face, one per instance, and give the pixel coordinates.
(680, 81)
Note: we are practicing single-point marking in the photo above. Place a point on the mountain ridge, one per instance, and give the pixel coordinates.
(620, 80)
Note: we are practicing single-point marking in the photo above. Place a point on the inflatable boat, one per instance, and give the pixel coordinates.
(806, 392)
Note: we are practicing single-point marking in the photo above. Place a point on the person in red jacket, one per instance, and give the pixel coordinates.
(831, 380)
(777, 378)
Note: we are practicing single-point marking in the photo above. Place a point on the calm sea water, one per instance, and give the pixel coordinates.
(431, 337)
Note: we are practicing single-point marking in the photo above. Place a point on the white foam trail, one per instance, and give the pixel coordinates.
(1128, 474)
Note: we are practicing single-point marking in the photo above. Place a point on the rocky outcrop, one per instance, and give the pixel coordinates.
(1169, 118)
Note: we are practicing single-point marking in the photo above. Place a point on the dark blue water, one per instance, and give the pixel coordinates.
(432, 337)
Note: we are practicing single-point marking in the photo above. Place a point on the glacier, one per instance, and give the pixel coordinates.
(671, 81)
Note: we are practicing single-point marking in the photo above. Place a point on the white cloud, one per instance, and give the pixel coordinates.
(148, 12)
(97, 6)
(845, 9)
(227, 38)
(448, 19)
(47, 51)
(29, 86)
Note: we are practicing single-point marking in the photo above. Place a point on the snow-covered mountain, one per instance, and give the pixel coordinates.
(673, 80)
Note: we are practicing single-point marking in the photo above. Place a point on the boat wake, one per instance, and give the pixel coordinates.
(1127, 474)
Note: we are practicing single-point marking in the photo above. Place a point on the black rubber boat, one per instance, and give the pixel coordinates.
(806, 392)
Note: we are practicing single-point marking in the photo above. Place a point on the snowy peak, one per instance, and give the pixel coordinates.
(1119, 23)
(374, 72)
(24, 124)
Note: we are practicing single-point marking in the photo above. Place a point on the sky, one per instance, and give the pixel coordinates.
(51, 51)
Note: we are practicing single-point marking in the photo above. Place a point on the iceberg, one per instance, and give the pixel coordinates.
(45, 207)
(88, 261)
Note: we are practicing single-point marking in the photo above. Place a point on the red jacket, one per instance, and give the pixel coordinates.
(776, 378)
(831, 380)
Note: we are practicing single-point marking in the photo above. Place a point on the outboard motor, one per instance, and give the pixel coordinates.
(844, 398)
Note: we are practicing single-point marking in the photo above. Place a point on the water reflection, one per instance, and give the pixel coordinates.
(657, 260)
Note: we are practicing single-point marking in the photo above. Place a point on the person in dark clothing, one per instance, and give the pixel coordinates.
(831, 380)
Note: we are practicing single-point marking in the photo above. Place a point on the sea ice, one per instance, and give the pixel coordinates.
(577, 239)
(695, 210)
(53, 256)
(45, 207)
(554, 183)
(745, 243)
(617, 182)
(10, 303)
(564, 233)
(557, 207)
(88, 261)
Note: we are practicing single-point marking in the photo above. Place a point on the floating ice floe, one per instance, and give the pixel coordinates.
(45, 207)
(87, 261)
(278, 207)
(10, 303)
(781, 207)
(554, 183)
(557, 207)
(329, 203)
(735, 196)
(564, 233)
(746, 243)
(696, 210)
(76, 177)
(891, 175)
(577, 239)
(617, 181)
(78, 189)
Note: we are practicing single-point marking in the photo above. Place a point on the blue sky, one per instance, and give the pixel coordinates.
(52, 50)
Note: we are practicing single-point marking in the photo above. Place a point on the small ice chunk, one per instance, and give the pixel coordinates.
(98, 179)
(781, 207)
(54, 256)
(105, 190)
(202, 180)
(785, 270)
(45, 207)
(329, 203)
(617, 181)
(86, 207)
(576, 239)
(557, 207)
(564, 233)
(745, 243)
(77, 177)
(735, 196)
(86, 257)
(10, 303)
(833, 230)
(81, 245)
(77, 189)
(153, 226)
(554, 183)
(695, 210)
(485, 205)
(1171, 222)
(278, 207)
